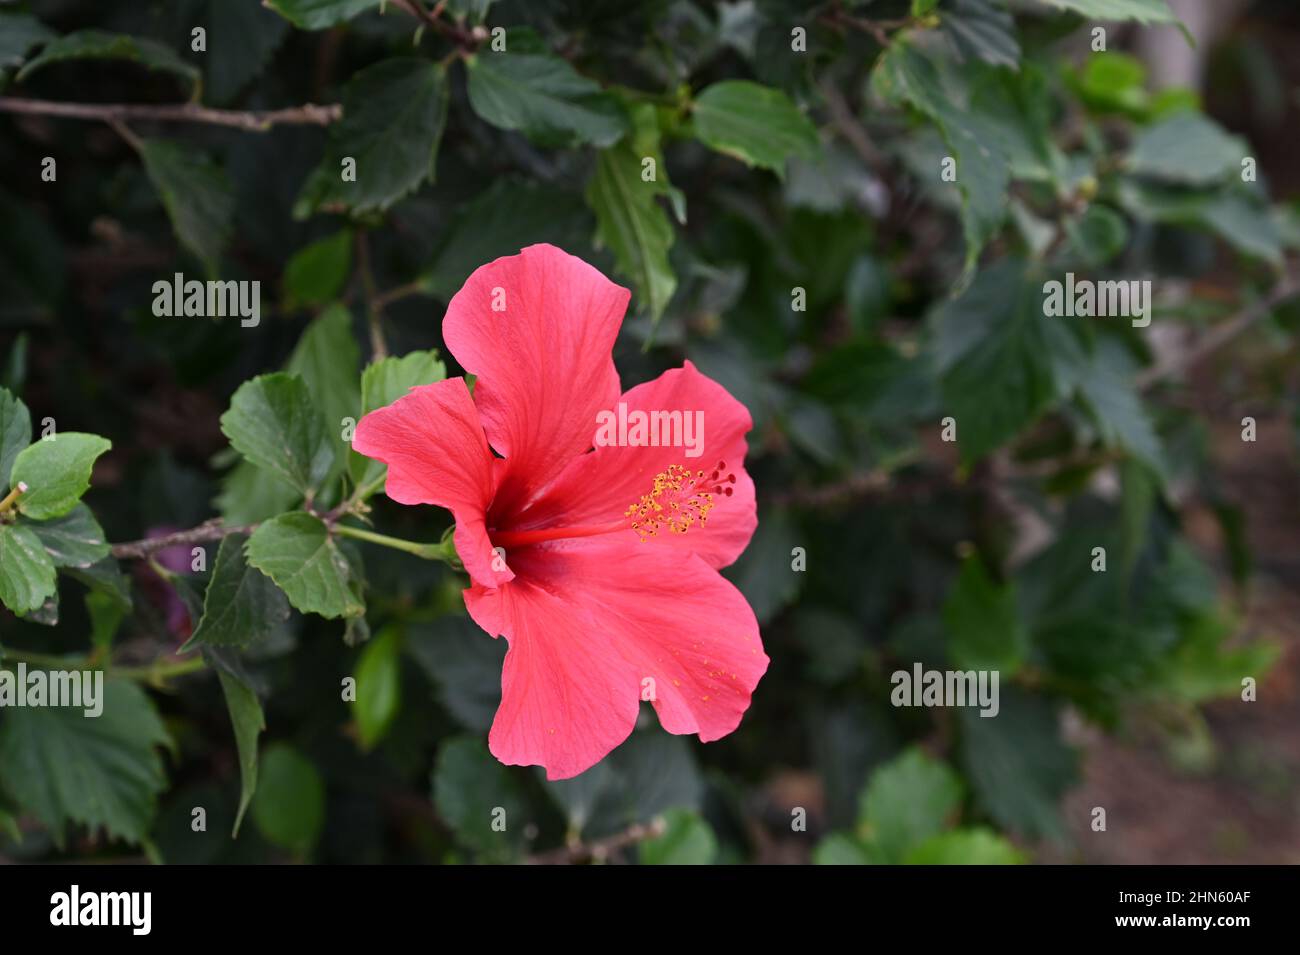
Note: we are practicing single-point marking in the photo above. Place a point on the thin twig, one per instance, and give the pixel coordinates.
(125, 132)
(601, 849)
(252, 120)
(468, 40)
(212, 530)
(1221, 334)
(847, 125)
(374, 306)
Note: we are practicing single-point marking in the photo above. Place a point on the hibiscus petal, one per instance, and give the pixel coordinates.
(538, 329)
(433, 443)
(590, 622)
(597, 488)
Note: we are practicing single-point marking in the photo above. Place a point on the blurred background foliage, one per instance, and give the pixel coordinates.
(801, 245)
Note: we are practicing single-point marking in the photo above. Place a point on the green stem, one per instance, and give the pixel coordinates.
(11, 499)
(427, 551)
(366, 490)
(44, 660)
(158, 672)
(155, 674)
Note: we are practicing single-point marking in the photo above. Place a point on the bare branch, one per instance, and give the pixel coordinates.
(465, 39)
(1222, 333)
(847, 125)
(602, 848)
(308, 114)
(212, 530)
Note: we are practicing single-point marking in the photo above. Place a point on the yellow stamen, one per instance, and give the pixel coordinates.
(679, 499)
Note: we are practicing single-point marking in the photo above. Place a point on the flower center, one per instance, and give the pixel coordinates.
(678, 500)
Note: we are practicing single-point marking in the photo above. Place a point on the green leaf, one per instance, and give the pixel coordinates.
(320, 14)
(478, 798)
(106, 616)
(393, 117)
(248, 721)
(1246, 224)
(984, 629)
(327, 357)
(756, 124)
(289, 806)
(1098, 235)
(996, 331)
(646, 776)
(9, 826)
(1017, 764)
(250, 495)
(317, 272)
(1144, 11)
(47, 614)
(1115, 82)
(19, 32)
(1240, 218)
(464, 664)
(382, 383)
(196, 193)
(842, 848)
(687, 840)
(908, 800)
(296, 551)
(763, 573)
(242, 37)
(543, 97)
(105, 577)
(73, 540)
(26, 571)
(981, 30)
(1109, 391)
(273, 423)
(379, 686)
(56, 471)
(242, 606)
(905, 74)
(965, 847)
(15, 432)
(1205, 666)
(1187, 148)
(101, 45)
(501, 220)
(647, 142)
(633, 226)
(63, 767)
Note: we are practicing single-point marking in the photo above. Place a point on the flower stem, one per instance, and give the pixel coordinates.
(155, 674)
(427, 551)
(158, 672)
(12, 497)
(44, 660)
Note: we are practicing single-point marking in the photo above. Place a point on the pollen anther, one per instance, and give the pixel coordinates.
(679, 499)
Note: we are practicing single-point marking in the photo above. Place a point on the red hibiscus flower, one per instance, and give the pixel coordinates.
(599, 564)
